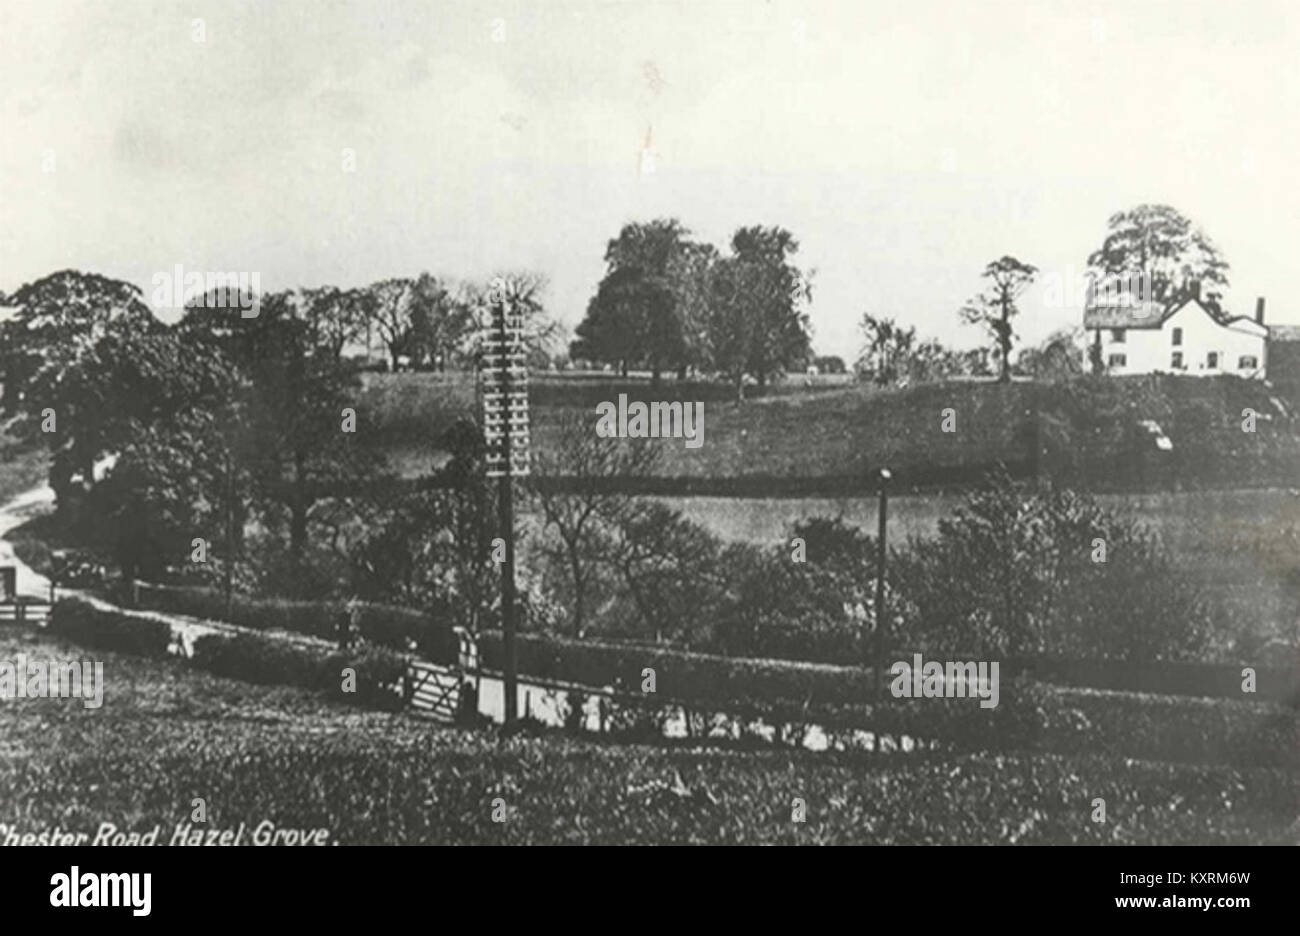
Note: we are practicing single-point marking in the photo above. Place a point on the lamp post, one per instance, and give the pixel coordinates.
(883, 477)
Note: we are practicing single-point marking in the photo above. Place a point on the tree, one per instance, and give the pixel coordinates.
(439, 322)
(1058, 358)
(887, 349)
(667, 565)
(579, 511)
(292, 394)
(996, 306)
(522, 292)
(781, 338)
(731, 324)
(432, 549)
(336, 317)
(630, 321)
(49, 345)
(1158, 242)
(390, 308)
(646, 308)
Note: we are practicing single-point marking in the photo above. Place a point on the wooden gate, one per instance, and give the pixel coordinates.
(439, 690)
(433, 690)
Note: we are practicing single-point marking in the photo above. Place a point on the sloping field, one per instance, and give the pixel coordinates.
(166, 735)
(1087, 431)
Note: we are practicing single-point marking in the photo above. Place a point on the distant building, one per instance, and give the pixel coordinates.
(1192, 337)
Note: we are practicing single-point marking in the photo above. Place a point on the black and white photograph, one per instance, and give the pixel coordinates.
(649, 422)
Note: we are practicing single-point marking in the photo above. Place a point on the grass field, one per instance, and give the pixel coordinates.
(167, 734)
(1085, 431)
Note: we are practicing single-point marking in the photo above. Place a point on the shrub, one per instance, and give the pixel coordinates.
(84, 624)
(379, 674)
(1029, 716)
(266, 660)
(396, 628)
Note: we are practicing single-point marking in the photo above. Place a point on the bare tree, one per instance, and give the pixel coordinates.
(996, 305)
(578, 475)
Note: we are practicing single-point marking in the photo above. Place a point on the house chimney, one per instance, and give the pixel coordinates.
(1195, 287)
(1259, 310)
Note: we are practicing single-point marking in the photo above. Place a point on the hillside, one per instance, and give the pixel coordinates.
(259, 754)
(797, 440)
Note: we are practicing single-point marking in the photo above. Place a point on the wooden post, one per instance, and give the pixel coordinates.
(879, 648)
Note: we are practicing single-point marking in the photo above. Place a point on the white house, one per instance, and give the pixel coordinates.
(1190, 337)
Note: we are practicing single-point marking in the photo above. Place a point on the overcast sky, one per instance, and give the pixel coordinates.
(904, 144)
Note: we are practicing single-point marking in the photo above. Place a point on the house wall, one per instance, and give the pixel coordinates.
(1150, 350)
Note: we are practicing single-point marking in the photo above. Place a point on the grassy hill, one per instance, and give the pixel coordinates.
(167, 733)
(795, 440)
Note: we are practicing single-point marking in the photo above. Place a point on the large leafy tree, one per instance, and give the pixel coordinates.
(440, 321)
(647, 309)
(292, 393)
(756, 324)
(995, 306)
(53, 360)
(631, 321)
(1159, 242)
(783, 338)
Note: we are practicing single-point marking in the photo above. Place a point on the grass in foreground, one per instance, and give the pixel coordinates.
(167, 734)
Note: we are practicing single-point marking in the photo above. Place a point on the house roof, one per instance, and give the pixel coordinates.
(1126, 315)
(1149, 314)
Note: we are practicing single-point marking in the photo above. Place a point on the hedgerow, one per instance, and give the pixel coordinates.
(88, 626)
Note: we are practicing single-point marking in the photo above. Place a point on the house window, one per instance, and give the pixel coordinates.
(1117, 335)
(1177, 362)
(1178, 337)
(1116, 360)
(1212, 360)
(1247, 362)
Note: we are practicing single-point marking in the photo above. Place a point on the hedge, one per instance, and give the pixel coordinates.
(1030, 716)
(265, 660)
(392, 627)
(85, 624)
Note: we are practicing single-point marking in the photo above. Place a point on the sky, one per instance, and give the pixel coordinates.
(905, 145)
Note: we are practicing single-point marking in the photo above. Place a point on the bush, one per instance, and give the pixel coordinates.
(1014, 572)
(396, 628)
(1030, 716)
(266, 660)
(84, 624)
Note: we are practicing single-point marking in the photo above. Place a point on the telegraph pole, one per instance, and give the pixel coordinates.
(505, 423)
(879, 654)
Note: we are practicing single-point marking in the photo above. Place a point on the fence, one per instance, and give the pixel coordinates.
(25, 610)
(445, 693)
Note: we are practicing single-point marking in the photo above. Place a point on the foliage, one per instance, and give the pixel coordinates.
(1017, 571)
(1158, 241)
(84, 624)
(257, 659)
(995, 307)
(433, 548)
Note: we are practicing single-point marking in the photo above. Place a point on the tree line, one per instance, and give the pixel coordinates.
(671, 303)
